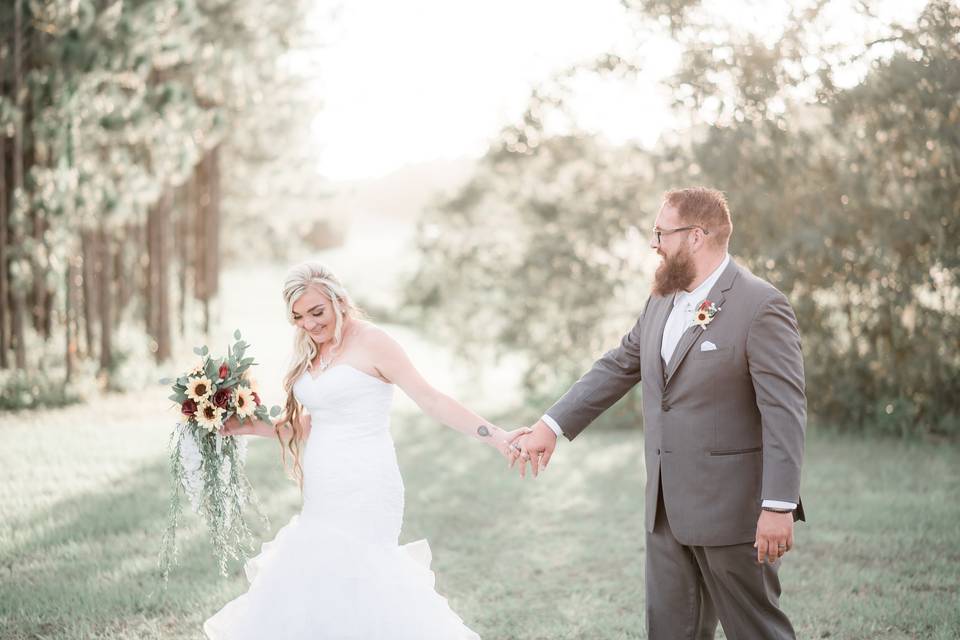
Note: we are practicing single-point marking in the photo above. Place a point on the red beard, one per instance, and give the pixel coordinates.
(675, 273)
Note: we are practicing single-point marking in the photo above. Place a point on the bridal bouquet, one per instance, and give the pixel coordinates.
(205, 466)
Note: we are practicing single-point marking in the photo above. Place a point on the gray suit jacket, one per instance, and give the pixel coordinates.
(724, 429)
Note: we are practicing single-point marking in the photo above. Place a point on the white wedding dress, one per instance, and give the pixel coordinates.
(336, 571)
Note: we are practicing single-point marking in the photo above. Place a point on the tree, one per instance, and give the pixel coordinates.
(845, 197)
(113, 117)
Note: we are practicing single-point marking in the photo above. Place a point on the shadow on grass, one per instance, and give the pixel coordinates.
(556, 557)
(559, 557)
(90, 561)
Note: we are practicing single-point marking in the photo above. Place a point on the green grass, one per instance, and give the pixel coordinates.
(83, 494)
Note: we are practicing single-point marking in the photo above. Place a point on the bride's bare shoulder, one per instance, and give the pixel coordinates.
(369, 334)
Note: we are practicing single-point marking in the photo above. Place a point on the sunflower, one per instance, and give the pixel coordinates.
(250, 380)
(198, 370)
(209, 416)
(246, 405)
(198, 389)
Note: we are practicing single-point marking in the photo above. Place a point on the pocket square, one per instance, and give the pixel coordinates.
(706, 345)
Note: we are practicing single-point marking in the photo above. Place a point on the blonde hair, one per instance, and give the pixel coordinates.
(304, 276)
(704, 207)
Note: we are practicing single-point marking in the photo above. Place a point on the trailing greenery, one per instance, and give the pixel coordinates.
(206, 466)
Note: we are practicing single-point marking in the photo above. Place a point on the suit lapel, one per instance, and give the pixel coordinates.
(717, 295)
(686, 341)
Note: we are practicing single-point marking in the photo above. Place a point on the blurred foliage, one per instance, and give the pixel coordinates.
(845, 195)
(129, 95)
(111, 107)
(540, 265)
(32, 390)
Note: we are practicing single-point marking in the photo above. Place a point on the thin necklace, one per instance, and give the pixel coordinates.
(324, 363)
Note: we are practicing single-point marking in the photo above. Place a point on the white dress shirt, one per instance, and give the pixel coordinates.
(683, 314)
(681, 318)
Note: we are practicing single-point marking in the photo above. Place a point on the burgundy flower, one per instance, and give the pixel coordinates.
(188, 408)
(256, 398)
(224, 371)
(221, 398)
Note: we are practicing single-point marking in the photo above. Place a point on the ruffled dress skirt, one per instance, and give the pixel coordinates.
(314, 582)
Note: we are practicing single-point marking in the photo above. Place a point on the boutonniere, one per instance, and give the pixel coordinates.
(705, 312)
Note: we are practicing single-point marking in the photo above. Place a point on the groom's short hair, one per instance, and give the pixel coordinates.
(704, 207)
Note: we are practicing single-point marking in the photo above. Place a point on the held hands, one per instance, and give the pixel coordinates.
(536, 448)
(502, 440)
(774, 536)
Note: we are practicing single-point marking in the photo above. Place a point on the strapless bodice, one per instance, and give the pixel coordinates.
(345, 403)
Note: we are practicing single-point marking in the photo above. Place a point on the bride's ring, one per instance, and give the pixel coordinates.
(515, 446)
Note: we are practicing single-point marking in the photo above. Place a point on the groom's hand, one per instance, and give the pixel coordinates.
(535, 448)
(774, 536)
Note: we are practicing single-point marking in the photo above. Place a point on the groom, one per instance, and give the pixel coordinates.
(718, 352)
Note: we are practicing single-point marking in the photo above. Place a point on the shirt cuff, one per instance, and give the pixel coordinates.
(779, 504)
(552, 424)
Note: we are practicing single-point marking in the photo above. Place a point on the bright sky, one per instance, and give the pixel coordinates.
(421, 80)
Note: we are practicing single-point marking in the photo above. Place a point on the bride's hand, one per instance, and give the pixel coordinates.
(233, 427)
(502, 439)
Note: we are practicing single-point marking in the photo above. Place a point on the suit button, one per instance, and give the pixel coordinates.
(665, 406)
(658, 451)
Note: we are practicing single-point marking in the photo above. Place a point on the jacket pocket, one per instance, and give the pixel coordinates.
(720, 353)
(735, 452)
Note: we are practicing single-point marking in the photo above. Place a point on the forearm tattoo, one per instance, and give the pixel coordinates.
(483, 431)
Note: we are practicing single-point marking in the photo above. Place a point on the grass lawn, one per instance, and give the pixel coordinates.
(83, 494)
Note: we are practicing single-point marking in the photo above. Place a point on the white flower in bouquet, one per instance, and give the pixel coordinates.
(245, 402)
(198, 389)
(209, 416)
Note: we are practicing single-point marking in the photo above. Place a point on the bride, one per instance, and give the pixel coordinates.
(336, 571)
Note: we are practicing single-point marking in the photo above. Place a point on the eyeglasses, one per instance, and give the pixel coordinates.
(665, 232)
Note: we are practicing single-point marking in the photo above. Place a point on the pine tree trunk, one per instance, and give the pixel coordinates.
(105, 279)
(162, 284)
(38, 308)
(121, 278)
(213, 224)
(17, 301)
(4, 308)
(183, 252)
(88, 289)
(146, 242)
(68, 321)
(149, 296)
(201, 230)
